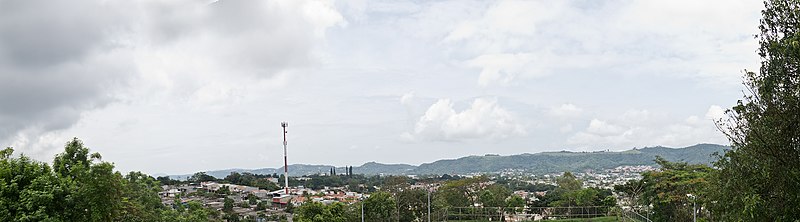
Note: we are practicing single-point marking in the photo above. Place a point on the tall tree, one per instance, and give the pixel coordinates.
(380, 206)
(413, 204)
(141, 202)
(94, 187)
(29, 191)
(317, 212)
(763, 166)
(202, 177)
(675, 189)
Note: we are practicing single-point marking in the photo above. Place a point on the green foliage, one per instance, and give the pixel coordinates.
(201, 177)
(413, 204)
(195, 212)
(516, 203)
(262, 205)
(318, 212)
(458, 193)
(80, 187)
(224, 191)
(555, 162)
(253, 180)
(380, 206)
(668, 190)
(227, 205)
(569, 182)
(494, 196)
(537, 187)
(141, 201)
(252, 199)
(29, 191)
(631, 191)
(289, 208)
(759, 179)
(165, 180)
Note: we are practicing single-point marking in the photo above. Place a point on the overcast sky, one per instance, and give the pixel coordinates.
(184, 86)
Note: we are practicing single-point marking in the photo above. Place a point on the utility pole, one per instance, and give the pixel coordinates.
(429, 204)
(285, 160)
(362, 210)
(694, 206)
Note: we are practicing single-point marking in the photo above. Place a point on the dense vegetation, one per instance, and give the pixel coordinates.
(556, 162)
(399, 201)
(672, 193)
(81, 187)
(763, 167)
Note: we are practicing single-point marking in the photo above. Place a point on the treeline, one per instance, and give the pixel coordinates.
(81, 187)
(398, 200)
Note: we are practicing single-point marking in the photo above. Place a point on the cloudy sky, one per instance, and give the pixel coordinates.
(189, 85)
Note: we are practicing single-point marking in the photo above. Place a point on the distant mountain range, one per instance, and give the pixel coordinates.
(539, 163)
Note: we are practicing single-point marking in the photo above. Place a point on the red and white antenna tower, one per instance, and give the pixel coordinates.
(285, 161)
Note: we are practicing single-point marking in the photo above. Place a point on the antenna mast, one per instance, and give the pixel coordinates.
(285, 161)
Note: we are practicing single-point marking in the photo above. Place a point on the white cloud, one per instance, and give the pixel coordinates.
(484, 119)
(644, 128)
(545, 38)
(201, 54)
(566, 110)
(603, 128)
(501, 68)
(565, 128)
(406, 98)
(715, 113)
(192, 76)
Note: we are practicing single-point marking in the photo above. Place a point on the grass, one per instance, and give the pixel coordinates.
(596, 219)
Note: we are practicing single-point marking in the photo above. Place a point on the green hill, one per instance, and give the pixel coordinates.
(552, 162)
(547, 162)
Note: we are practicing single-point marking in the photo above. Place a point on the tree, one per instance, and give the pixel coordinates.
(631, 190)
(94, 188)
(515, 203)
(165, 180)
(227, 205)
(224, 191)
(380, 206)
(674, 189)
(262, 205)
(763, 165)
(394, 184)
(458, 193)
(289, 208)
(252, 199)
(413, 204)
(494, 195)
(141, 202)
(318, 212)
(569, 182)
(80, 187)
(234, 178)
(568, 188)
(202, 177)
(29, 190)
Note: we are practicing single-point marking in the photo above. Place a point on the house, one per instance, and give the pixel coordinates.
(170, 193)
(260, 193)
(282, 200)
